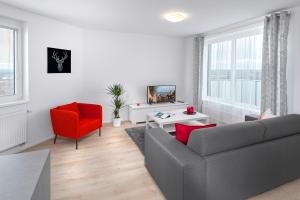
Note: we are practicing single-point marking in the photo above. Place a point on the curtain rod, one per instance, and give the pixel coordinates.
(288, 10)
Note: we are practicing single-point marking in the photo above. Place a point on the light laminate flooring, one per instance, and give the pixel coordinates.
(111, 167)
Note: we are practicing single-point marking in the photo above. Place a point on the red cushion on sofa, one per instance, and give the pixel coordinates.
(183, 131)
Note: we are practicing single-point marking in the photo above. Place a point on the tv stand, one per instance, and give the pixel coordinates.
(138, 114)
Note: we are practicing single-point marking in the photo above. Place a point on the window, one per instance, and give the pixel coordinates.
(11, 65)
(232, 67)
(7, 62)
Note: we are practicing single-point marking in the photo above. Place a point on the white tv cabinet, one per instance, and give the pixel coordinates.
(138, 113)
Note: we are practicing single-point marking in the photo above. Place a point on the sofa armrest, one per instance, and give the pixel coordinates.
(179, 172)
(90, 110)
(65, 123)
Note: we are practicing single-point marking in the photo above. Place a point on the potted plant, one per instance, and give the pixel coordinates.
(116, 91)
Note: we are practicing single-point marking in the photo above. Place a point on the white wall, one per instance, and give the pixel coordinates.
(99, 58)
(293, 66)
(48, 90)
(134, 60)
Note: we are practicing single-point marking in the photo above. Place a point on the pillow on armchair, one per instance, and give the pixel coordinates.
(183, 131)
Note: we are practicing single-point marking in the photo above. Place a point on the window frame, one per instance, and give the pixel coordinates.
(232, 36)
(19, 94)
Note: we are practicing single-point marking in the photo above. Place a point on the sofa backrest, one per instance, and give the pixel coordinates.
(279, 127)
(223, 138)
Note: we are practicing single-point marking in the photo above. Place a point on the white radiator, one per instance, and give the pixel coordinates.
(13, 129)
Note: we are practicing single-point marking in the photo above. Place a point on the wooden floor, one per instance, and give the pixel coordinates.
(111, 167)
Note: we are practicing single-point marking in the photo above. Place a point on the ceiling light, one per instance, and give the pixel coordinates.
(175, 16)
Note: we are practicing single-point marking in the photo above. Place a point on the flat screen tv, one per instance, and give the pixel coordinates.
(161, 94)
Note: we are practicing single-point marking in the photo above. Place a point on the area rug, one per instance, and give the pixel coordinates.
(137, 134)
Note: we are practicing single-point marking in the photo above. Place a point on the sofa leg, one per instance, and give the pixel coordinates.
(99, 131)
(55, 139)
(76, 144)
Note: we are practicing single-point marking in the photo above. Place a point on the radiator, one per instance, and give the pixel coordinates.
(13, 129)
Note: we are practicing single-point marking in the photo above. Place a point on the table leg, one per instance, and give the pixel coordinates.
(161, 126)
(147, 122)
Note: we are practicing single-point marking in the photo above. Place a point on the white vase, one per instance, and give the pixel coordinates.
(117, 122)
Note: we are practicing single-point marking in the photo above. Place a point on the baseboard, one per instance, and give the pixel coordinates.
(25, 146)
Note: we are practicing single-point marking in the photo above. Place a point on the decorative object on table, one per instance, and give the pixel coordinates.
(75, 120)
(190, 111)
(138, 104)
(162, 115)
(116, 91)
(59, 60)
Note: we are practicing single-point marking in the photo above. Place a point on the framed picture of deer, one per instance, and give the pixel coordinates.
(59, 60)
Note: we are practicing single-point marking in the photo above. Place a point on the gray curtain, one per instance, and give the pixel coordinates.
(274, 83)
(198, 43)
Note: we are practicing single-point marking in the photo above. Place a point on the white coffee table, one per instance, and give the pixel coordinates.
(177, 117)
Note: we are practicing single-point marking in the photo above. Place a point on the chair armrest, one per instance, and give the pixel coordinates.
(65, 123)
(90, 110)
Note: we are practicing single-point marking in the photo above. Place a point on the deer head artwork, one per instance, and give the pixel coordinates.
(59, 61)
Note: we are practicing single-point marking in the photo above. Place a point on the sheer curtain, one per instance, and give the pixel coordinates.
(248, 70)
(233, 77)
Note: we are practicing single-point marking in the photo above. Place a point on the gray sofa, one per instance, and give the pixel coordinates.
(229, 162)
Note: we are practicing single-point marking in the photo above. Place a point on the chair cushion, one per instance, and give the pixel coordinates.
(87, 125)
(70, 107)
(278, 127)
(224, 138)
(183, 131)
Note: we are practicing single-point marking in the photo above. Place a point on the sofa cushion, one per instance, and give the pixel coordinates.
(70, 107)
(281, 126)
(183, 131)
(224, 138)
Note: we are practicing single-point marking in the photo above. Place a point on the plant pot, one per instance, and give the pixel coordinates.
(117, 122)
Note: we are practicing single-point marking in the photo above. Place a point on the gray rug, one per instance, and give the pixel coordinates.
(137, 134)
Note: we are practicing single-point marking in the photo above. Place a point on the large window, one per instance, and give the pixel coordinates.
(7, 62)
(11, 61)
(232, 67)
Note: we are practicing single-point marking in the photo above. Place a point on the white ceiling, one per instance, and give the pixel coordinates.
(144, 16)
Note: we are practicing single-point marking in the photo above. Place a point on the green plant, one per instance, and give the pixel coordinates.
(116, 91)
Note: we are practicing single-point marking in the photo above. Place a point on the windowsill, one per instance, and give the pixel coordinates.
(14, 103)
(246, 107)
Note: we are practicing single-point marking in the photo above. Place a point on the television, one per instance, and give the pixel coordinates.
(161, 94)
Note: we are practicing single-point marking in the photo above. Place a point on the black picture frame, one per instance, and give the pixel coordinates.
(59, 60)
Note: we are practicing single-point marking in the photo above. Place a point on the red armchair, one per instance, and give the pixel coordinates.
(76, 120)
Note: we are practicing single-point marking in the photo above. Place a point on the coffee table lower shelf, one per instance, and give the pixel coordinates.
(171, 127)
